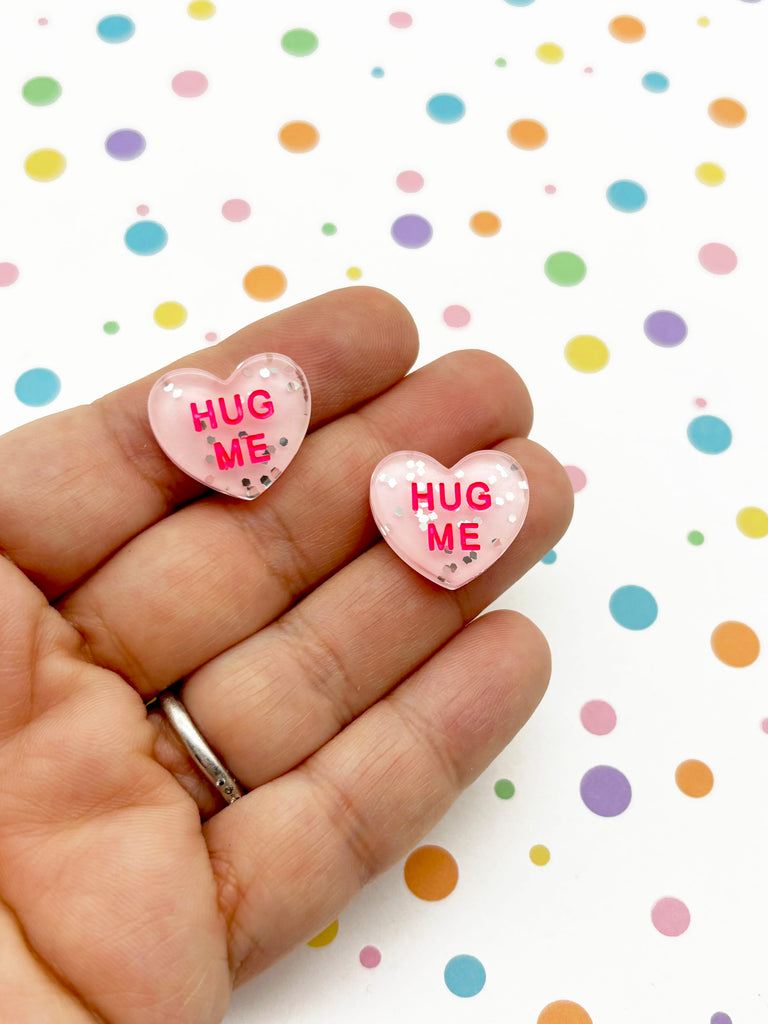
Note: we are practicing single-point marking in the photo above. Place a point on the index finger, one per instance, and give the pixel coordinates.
(77, 485)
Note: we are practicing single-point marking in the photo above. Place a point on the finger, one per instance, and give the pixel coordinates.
(217, 571)
(77, 485)
(269, 702)
(315, 836)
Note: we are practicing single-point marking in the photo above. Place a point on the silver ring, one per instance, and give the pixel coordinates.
(209, 763)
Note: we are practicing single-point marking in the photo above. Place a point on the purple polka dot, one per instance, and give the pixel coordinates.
(665, 328)
(606, 791)
(411, 231)
(126, 144)
(720, 1018)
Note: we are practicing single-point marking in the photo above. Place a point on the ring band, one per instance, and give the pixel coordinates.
(211, 766)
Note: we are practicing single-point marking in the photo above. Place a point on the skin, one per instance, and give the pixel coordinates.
(353, 699)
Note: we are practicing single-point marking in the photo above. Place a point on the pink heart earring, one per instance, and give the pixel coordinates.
(449, 524)
(235, 435)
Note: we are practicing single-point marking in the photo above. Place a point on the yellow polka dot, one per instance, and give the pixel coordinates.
(170, 315)
(753, 522)
(539, 855)
(265, 283)
(549, 53)
(587, 353)
(45, 165)
(704, 21)
(710, 174)
(326, 936)
(485, 223)
(201, 10)
(354, 273)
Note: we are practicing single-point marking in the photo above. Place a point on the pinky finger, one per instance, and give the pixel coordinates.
(293, 853)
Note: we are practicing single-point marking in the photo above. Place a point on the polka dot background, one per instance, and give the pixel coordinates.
(579, 189)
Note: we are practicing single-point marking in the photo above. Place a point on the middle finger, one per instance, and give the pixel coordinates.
(218, 570)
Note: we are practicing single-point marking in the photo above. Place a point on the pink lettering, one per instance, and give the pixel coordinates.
(257, 449)
(238, 410)
(467, 533)
(484, 501)
(234, 458)
(456, 497)
(435, 540)
(265, 410)
(200, 418)
(422, 496)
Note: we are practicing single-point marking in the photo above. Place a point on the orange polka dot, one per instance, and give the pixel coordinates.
(431, 873)
(727, 112)
(627, 29)
(265, 283)
(735, 644)
(485, 223)
(563, 1011)
(298, 136)
(527, 134)
(694, 778)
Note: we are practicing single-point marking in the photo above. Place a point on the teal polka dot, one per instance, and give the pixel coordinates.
(519, 3)
(446, 108)
(115, 29)
(377, 72)
(464, 976)
(549, 558)
(37, 387)
(633, 607)
(709, 434)
(654, 81)
(626, 196)
(146, 237)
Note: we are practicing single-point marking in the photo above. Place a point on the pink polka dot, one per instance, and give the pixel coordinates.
(42, 21)
(577, 477)
(400, 20)
(142, 210)
(670, 916)
(588, 71)
(189, 84)
(236, 209)
(598, 717)
(550, 190)
(456, 316)
(764, 725)
(410, 181)
(9, 273)
(717, 258)
(211, 337)
(700, 402)
(370, 956)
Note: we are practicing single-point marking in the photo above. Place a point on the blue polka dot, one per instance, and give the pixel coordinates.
(37, 387)
(464, 976)
(378, 72)
(709, 434)
(446, 108)
(626, 196)
(146, 237)
(519, 3)
(549, 558)
(654, 81)
(633, 607)
(115, 29)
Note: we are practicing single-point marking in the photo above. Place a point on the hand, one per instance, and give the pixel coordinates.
(351, 697)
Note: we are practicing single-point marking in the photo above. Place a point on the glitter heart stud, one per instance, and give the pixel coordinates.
(237, 435)
(449, 524)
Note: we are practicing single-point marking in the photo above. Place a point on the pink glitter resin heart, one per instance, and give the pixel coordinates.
(449, 524)
(235, 436)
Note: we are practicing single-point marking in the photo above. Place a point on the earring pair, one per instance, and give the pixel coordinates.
(239, 435)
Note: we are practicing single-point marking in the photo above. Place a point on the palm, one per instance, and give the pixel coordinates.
(346, 694)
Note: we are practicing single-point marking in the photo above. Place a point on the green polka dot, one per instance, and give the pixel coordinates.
(299, 42)
(501, 62)
(565, 268)
(41, 91)
(111, 327)
(329, 229)
(695, 538)
(504, 789)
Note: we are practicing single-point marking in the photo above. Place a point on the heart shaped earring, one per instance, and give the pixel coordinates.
(235, 435)
(449, 524)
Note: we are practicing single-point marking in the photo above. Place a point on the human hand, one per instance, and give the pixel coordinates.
(350, 696)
